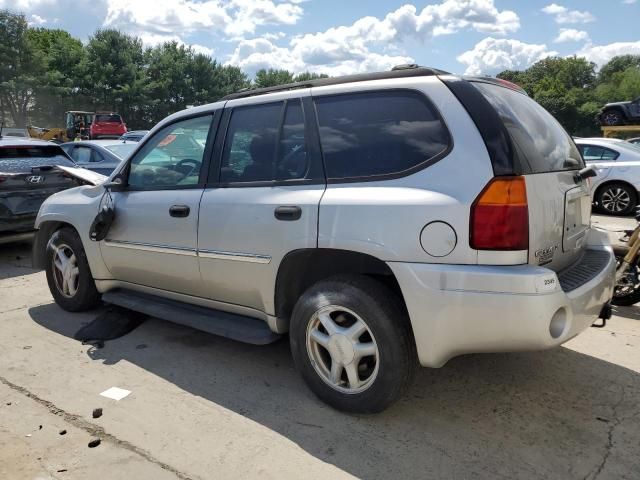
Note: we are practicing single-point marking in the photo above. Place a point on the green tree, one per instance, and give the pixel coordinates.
(616, 65)
(306, 76)
(271, 78)
(115, 73)
(22, 67)
(66, 61)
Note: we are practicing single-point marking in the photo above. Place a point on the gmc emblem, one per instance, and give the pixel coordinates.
(35, 179)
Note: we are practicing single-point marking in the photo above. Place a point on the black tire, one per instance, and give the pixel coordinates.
(607, 203)
(84, 296)
(385, 317)
(612, 118)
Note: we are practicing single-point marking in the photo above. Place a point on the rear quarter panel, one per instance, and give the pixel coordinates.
(385, 218)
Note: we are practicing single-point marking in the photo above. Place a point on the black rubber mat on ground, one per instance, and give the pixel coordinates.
(114, 323)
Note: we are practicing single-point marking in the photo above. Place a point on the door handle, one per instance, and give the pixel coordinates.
(179, 211)
(288, 213)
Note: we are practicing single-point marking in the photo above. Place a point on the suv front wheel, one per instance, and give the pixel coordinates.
(352, 343)
(68, 274)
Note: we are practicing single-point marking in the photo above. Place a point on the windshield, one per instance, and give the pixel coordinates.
(539, 141)
(108, 118)
(122, 150)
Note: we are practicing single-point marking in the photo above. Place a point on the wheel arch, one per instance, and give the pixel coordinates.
(43, 234)
(300, 269)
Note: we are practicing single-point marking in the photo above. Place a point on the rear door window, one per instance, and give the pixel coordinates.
(592, 153)
(540, 143)
(261, 146)
(373, 134)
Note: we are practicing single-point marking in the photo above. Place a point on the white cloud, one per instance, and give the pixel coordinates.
(571, 35)
(37, 20)
(601, 54)
(24, 5)
(564, 15)
(629, 2)
(371, 43)
(492, 55)
(234, 17)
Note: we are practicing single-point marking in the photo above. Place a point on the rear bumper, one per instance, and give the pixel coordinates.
(18, 209)
(458, 309)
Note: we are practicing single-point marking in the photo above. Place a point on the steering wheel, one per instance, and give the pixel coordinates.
(195, 165)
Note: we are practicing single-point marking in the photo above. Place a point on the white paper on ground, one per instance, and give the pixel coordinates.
(115, 393)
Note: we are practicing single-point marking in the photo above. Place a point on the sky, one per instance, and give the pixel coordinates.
(339, 37)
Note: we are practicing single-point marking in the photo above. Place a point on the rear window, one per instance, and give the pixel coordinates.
(108, 118)
(18, 158)
(372, 134)
(539, 141)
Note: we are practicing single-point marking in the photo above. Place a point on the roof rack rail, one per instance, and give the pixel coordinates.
(399, 71)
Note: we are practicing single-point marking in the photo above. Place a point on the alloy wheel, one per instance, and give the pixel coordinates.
(342, 349)
(65, 270)
(615, 200)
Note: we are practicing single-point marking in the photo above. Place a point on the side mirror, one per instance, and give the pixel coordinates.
(115, 185)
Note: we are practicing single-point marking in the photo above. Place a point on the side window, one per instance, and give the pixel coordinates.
(96, 156)
(250, 145)
(292, 161)
(609, 154)
(259, 149)
(593, 153)
(173, 157)
(81, 154)
(378, 133)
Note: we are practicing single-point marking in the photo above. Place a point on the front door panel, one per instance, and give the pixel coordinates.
(148, 246)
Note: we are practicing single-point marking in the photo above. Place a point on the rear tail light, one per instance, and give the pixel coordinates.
(500, 216)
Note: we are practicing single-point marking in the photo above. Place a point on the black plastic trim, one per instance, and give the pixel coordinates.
(489, 124)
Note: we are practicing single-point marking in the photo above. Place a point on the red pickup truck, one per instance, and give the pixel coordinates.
(107, 125)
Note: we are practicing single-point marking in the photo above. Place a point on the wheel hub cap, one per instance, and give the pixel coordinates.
(342, 349)
(65, 270)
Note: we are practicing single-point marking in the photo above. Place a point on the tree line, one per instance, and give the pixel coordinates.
(573, 92)
(45, 72)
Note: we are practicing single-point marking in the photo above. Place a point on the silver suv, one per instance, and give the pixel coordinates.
(381, 220)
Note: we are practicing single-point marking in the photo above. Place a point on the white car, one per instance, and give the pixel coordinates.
(379, 220)
(615, 189)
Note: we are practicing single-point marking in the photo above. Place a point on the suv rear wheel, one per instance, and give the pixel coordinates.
(68, 274)
(351, 341)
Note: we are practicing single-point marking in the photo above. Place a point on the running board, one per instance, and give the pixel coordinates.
(229, 325)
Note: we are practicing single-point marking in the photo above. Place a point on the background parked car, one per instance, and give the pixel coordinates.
(101, 156)
(619, 113)
(27, 178)
(615, 189)
(134, 135)
(635, 141)
(107, 125)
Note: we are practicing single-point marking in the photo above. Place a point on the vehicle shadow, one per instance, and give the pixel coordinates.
(15, 260)
(554, 414)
